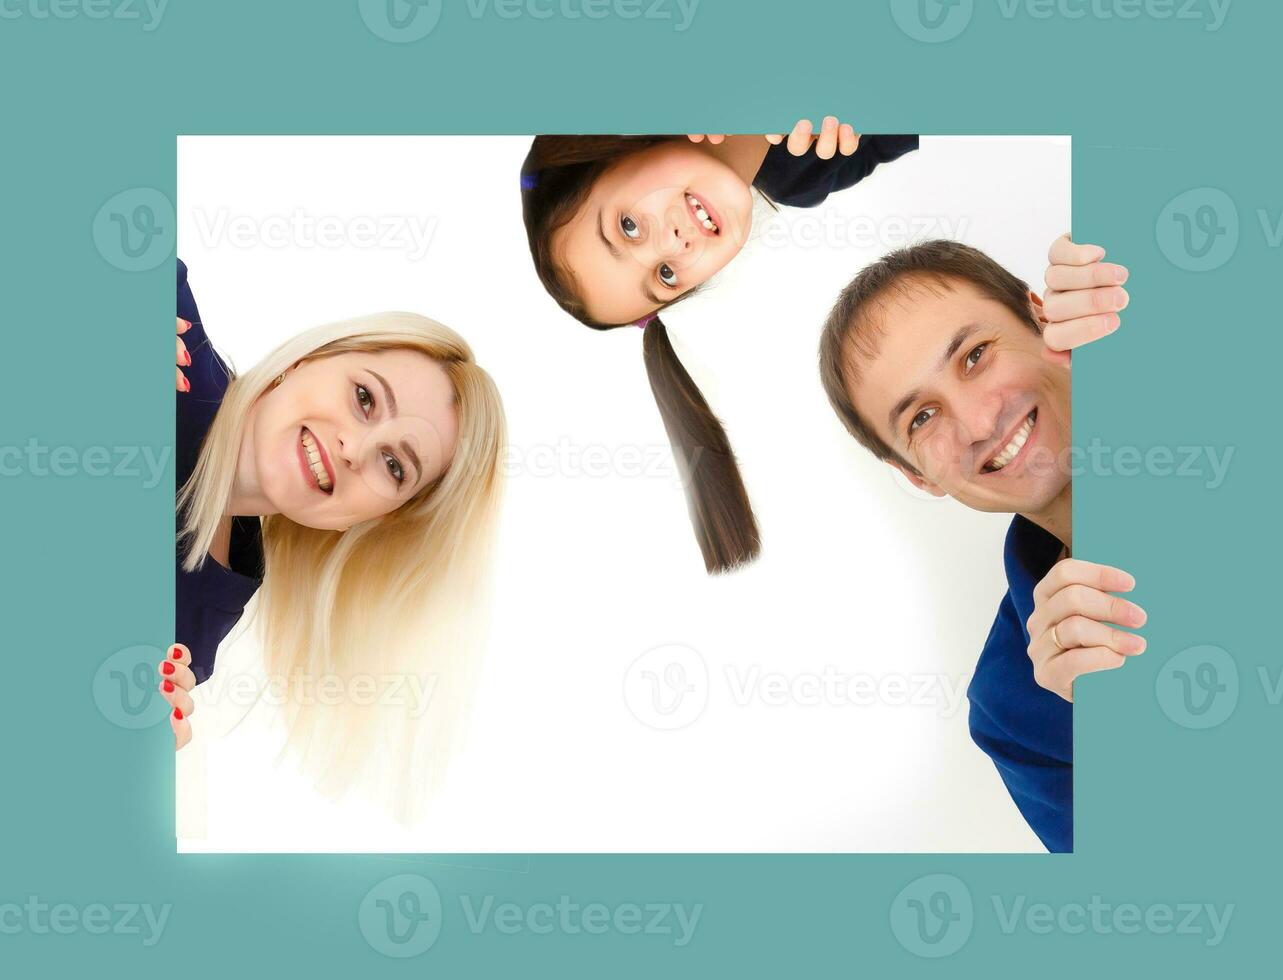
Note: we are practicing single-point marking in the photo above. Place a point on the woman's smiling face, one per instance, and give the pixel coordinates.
(350, 437)
(654, 226)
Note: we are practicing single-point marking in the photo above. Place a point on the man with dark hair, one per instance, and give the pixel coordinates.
(949, 368)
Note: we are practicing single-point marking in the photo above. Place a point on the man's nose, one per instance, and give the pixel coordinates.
(980, 414)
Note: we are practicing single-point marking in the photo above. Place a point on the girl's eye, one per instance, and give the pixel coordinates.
(394, 468)
(976, 353)
(921, 418)
(629, 227)
(364, 399)
(667, 276)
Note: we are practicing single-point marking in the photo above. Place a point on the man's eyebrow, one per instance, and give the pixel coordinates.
(950, 349)
(601, 233)
(387, 393)
(414, 458)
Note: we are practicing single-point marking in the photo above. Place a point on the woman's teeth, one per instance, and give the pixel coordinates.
(700, 213)
(314, 461)
(1012, 449)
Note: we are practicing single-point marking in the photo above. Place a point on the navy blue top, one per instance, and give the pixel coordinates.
(1027, 730)
(805, 181)
(208, 601)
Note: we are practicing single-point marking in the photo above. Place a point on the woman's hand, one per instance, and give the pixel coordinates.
(176, 682)
(184, 358)
(1068, 630)
(833, 138)
(1084, 296)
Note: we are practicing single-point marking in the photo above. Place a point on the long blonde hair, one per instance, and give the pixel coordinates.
(398, 597)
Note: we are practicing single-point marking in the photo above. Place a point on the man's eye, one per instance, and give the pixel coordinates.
(667, 276)
(629, 227)
(364, 399)
(394, 468)
(976, 353)
(922, 418)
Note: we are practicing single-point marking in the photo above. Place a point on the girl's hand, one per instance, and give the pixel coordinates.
(833, 138)
(176, 682)
(184, 358)
(1069, 630)
(700, 137)
(1084, 296)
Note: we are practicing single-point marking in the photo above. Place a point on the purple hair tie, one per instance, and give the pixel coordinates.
(645, 320)
(528, 181)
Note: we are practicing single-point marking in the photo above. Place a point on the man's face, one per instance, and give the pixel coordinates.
(959, 388)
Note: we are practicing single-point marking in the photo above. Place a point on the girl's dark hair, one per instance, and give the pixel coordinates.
(556, 178)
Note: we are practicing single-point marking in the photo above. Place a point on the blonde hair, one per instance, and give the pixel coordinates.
(399, 597)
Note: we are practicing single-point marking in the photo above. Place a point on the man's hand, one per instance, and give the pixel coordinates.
(1068, 630)
(1084, 296)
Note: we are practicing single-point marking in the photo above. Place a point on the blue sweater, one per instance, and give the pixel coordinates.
(210, 600)
(1027, 730)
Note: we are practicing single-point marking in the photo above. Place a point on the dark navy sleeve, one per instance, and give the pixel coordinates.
(1026, 730)
(805, 181)
(209, 601)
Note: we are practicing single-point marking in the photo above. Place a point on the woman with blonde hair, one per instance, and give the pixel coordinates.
(351, 479)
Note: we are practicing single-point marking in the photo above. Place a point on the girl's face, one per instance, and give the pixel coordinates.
(350, 437)
(655, 225)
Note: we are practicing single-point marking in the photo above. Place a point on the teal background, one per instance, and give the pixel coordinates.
(1166, 812)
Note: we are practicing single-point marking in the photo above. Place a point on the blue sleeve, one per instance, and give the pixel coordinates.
(805, 181)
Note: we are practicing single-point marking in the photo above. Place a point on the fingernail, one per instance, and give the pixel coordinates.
(1120, 274)
(176, 652)
(178, 713)
(830, 122)
(167, 687)
(167, 667)
(187, 359)
(187, 385)
(187, 324)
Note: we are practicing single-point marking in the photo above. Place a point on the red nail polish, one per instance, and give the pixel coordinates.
(167, 668)
(187, 324)
(176, 653)
(167, 687)
(187, 359)
(178, 714)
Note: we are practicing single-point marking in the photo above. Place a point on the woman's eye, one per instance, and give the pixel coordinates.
(667, 276)
(976, 353)
(364, 399)
(394, 468)
(922, 418)
(629, 227)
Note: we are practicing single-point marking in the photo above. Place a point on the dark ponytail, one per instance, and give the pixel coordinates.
(719, 506)
(556, 178)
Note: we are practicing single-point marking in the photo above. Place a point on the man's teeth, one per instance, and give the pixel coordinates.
(314, 461)
(700, 213)
(1012, 449)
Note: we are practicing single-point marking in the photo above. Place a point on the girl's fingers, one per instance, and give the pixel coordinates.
(1068, 277)
(700, 137)
(775, 139)
(183, 358)
(1063, 251)
(826, 146)
(800, 138)
(1057, 307)
(177, 697)
(1072, 334)
(848, 139)
(182, 383)
(182, 730)
(183, 325)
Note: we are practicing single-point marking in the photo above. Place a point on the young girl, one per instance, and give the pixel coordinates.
(622, 227)
(353, 475)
